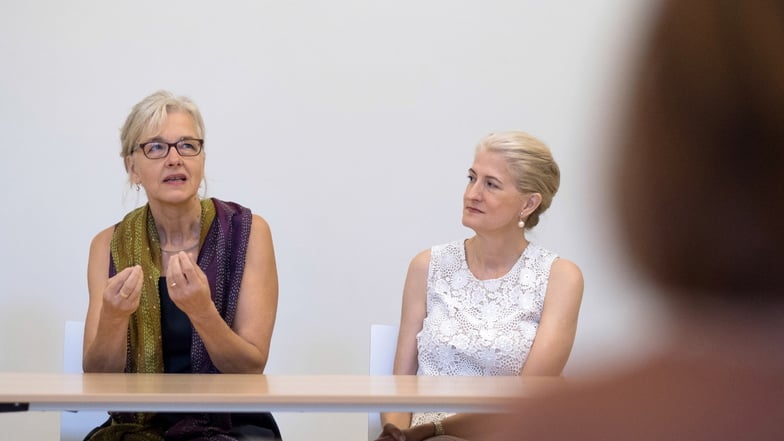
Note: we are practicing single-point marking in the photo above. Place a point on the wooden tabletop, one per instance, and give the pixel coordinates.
(251, 393)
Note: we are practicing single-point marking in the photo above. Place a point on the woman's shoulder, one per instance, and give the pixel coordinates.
(436, 255)
(566, 273)
(227, 209)
(99, 246)
(560, 268)
(104, 237)
(538, 252)
(422, 259)
(259, 222)
(260, 230)
(454, 247)
(534, 250)
(566, 266)
(231, 206)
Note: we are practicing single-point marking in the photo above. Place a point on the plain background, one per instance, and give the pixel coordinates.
(349, 125)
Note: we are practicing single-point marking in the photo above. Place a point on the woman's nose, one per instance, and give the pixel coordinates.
(173, 156)
(473, 191)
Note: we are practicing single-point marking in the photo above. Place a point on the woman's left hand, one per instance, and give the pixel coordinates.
(188, 287)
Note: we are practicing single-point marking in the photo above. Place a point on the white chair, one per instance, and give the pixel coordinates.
(75, 425)
(383, 343)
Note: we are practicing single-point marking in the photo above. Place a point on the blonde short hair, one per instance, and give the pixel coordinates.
(530, 162)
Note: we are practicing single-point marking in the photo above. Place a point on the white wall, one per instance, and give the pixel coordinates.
(348, 125)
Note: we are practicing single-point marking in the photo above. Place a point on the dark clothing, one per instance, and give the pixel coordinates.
(161, 338)
(176, 334)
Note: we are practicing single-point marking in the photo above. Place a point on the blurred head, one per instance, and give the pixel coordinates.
(530, 164)
(702, 158)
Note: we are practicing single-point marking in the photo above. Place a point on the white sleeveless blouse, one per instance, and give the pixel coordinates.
(480, 327)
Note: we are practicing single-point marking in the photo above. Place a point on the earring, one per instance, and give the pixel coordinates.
(138, 187)
(521, 223)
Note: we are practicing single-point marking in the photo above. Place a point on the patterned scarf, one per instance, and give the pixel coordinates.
(225, 230)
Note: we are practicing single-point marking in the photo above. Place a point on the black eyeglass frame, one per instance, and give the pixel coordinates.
(173, 144)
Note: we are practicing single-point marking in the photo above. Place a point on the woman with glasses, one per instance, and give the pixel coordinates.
(182, 284)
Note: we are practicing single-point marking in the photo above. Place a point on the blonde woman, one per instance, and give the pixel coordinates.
(495, 303)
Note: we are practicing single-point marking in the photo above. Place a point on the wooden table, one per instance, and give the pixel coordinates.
(253, 393)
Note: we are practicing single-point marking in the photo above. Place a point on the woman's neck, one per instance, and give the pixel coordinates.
(492, 257)
(179, 227)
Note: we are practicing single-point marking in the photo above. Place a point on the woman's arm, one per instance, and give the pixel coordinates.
(412, 315)
(244, 347)
(557, 328)
(112, 301)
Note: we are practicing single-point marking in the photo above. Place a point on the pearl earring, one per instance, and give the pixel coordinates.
(138, 187)
(521, 224)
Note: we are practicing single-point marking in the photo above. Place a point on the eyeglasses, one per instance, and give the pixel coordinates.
(160, 149)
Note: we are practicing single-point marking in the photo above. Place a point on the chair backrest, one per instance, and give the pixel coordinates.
(383, 343)
(75, 425)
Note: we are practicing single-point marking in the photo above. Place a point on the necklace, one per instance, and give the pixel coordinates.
(181, 249)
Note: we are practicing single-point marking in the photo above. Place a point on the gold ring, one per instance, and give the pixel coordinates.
(125, 296)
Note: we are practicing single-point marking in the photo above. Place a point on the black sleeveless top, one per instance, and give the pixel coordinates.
(176, 334)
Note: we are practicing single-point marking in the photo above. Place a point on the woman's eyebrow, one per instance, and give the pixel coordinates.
(161, 139)
(473, 172)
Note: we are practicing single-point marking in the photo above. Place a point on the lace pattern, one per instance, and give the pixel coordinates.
(479, 327)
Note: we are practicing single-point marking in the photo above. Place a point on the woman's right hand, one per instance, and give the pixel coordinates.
(123, 292)
(421, 432)
(391, 432)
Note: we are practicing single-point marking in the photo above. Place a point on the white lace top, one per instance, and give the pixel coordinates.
(479, 327)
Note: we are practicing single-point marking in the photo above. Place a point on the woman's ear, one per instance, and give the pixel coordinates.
(531, 203)
(130, 167)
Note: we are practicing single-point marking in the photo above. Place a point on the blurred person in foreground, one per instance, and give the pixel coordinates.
(701, 202)
(181, 284)
(495, 303)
